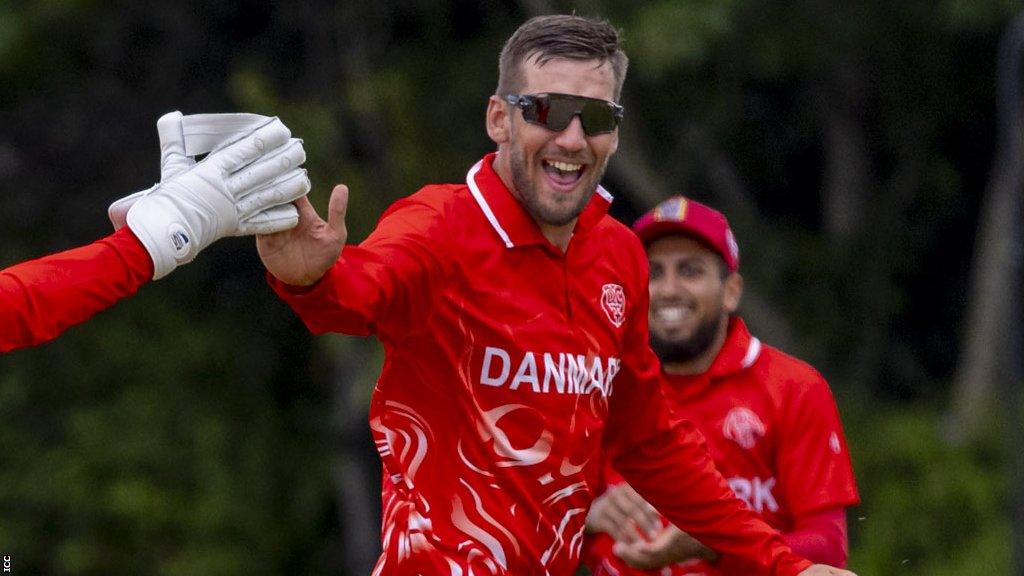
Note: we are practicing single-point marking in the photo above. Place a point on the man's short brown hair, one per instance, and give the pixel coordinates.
(560, 36)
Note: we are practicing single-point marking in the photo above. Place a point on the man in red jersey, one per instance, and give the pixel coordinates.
(770, 422)
(513, 314)
(244, 185)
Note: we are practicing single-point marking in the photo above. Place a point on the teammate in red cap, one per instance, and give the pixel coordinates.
(244, 188)
(770, 422)
(513, 314)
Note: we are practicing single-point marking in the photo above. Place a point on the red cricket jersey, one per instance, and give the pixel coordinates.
(773, 430)
(508, 368)
(41, 298)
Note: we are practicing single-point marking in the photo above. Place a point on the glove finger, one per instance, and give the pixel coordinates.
(267, 168)
(288, 188)
(261, 141)
(269, 221)
(118, 211)
(173, 160)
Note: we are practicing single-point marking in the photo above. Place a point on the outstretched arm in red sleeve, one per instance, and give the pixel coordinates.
(372, 288)
(39, 299)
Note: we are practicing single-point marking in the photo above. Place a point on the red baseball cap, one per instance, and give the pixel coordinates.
(679, 215)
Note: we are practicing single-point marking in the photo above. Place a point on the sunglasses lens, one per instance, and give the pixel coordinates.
(559, 111)
(556, 111)
(597, 117)
(537, 110)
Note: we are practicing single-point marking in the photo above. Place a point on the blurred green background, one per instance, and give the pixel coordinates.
(198, 429)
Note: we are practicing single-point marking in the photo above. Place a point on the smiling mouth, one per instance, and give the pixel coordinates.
(564, 174)
(671, 314)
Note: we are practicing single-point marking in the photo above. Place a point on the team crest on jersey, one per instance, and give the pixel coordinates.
(743, 427)
(613, 302)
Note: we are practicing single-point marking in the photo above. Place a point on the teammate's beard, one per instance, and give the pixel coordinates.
(678, 351)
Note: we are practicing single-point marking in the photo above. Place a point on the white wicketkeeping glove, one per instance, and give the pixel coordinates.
(182, 138)
(245, 187)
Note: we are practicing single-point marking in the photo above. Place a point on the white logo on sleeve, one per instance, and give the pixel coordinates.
(613, 302)
(743, 427)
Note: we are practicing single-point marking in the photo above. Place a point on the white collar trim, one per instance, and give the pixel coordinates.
(484, 206)
(474, 189)
(753, 351)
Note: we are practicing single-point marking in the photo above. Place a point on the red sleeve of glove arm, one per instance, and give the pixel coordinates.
(821, 537)
(39, 299)
(668, 464)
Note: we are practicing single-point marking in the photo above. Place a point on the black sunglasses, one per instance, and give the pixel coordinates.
(555, 111)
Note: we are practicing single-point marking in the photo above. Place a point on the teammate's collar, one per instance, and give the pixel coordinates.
(509, 218)
(739, 352)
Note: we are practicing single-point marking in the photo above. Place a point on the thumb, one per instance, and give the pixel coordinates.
(172, 146)
(336, 209)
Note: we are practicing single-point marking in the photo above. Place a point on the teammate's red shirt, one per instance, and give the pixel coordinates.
(508, 363)
(41, 298)
(773, 430)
